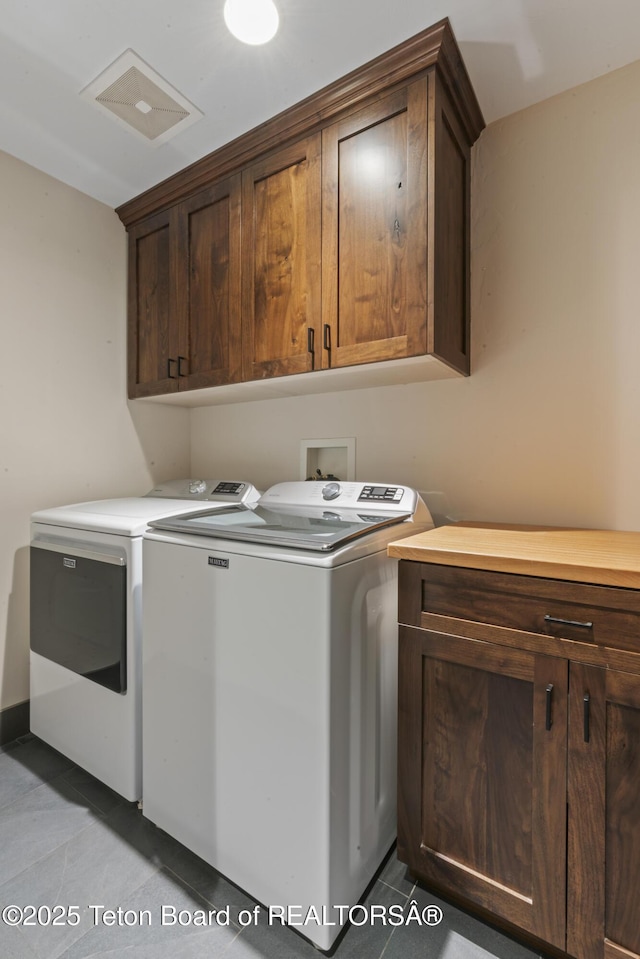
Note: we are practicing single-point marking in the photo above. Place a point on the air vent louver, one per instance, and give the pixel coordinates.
(136, 95)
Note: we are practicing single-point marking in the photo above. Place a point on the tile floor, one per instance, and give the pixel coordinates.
(67, 840)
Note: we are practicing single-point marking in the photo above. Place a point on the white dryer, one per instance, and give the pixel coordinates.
(86, 622)
(270, 645)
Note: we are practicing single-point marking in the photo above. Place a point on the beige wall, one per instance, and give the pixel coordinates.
(66, 432)
(547, 428)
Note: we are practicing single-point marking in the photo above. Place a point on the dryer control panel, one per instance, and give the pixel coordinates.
(207, 490)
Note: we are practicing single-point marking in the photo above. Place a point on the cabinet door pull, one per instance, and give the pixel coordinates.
(170, 375)
(587, 709)
(311, 340)
(567, 622)
(327, 337)
(181, 360)
(549, 721)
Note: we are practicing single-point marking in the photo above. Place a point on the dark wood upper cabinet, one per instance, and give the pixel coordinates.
(184, 294)
(281, 261)
(519, 752)
(208, 271)
(153, 337)
(449, 231)
(396, 230)
(347, 243)
(374, 218)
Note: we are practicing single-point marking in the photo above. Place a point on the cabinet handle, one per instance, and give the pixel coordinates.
(567, 622)
(327, 337)
(549, 721)
(181, 360)
(170, 375)
(311, 340)
(586, 716)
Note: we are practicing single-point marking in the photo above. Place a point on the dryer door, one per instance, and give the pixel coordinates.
(78, 609)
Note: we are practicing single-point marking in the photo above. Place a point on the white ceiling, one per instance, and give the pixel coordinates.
(517, 52)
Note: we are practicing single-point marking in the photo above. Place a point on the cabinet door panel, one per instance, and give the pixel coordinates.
(281, 257)
(483, 811)
(604, 814)
(153, 335)
(471, 807)
(209, 286)
(622, 843)
(374, 257)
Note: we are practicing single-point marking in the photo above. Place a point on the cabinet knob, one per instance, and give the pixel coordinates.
(170, 375)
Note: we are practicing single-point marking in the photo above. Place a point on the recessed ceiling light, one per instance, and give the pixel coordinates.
(252, 21)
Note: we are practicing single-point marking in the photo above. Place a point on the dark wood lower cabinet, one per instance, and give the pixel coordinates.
(519, 760)
(604, 821)
(483, 810)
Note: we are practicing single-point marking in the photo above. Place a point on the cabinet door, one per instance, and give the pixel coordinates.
(281, 262)
(604, 814)
(208, 284)
(374, 225)
(153, 332)
(482, 776)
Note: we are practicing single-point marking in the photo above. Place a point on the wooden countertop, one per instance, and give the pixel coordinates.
(603, 557)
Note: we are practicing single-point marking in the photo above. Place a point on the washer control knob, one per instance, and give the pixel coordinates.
(331, 491)
(197, 486)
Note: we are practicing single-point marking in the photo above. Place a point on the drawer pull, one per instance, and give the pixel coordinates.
(549, 721)
(587, 707)
(567, 622)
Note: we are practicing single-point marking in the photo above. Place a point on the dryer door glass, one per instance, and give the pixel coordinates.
(78, 611)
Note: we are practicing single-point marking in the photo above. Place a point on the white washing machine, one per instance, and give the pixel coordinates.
(86, 623)
(270, 645)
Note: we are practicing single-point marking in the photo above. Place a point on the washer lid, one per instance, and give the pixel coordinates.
(310, 528)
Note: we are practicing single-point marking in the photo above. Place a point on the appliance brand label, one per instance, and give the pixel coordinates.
(69, 563)
(218, 561)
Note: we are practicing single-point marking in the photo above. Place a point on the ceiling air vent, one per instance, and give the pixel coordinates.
(139, 97)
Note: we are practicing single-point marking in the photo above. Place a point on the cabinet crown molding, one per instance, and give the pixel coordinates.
(434, 47)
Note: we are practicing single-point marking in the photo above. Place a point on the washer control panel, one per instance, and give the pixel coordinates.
(376, 497)
(384, 494)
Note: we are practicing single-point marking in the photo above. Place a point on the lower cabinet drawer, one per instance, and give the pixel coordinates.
(601, 615)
